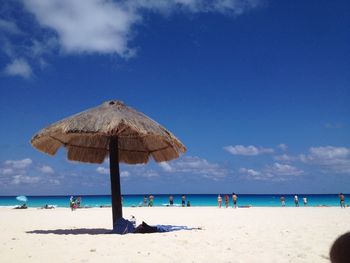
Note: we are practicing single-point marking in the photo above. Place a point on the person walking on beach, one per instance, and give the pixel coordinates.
(145, 200)
(219, 201)
(226, 200)
(296, 200)
(171, 200)
(183, 200)
(305, 201)
(342, 200)
(283, 201)
(234, 199)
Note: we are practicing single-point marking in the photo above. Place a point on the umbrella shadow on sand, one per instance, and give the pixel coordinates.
(141, 229)
(78, 231)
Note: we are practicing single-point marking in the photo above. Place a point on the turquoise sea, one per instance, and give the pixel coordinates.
(163, 200)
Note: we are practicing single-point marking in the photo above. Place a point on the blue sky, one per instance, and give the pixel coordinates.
(258, 91)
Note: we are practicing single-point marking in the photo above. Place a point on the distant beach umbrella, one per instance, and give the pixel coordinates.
(22, 198)
(111, 129)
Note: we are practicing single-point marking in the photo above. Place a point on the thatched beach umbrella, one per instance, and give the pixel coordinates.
(111, 129)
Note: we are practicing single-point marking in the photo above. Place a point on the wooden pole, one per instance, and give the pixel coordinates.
(115, 180)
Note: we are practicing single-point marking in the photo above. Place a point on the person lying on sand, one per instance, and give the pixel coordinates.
(124, 226)
(47, 207)
(24, 206)
(145, 228)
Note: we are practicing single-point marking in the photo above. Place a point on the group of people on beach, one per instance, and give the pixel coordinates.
(183, 201)
(305, 201)
(227, 200)
(149, 201)
(74, 202)
(296, 201)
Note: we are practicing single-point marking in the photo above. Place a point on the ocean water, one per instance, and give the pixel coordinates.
(163, 200)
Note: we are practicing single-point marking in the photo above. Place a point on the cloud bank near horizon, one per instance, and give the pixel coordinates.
(250, 150)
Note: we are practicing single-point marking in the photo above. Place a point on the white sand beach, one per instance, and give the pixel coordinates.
(228, 235)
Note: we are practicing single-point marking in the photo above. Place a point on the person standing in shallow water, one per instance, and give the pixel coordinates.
(283, 201)
(145, 201)
(219, 201)
(226, 201)
(296, 201)
(342, 200)
(183, 200)
(151, 199)
(78, 201)
(171, 200)
(305, 201)
(234, 200)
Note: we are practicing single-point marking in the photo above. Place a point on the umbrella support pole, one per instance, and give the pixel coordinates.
(115, 180)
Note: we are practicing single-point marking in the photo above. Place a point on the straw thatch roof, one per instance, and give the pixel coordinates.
(86, 136)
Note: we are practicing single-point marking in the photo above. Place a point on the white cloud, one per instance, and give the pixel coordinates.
(283, 147)
(54, 182)
(149, 173)
(283, 170)
(235, 7)
(250, 172)
(166, 166)
(19, 164)
(6, 171)
(329, 153)
(39, 48)
(18, 67)
(104, 26)
(124, 174)
(330, 158)
(285, 158)
(46, 169)
(232, 6)
(102, 170)
(195, 165)
(86, 25)
(274, 173)
(92, 26)
(25, 171)
(9, 27)
(247, 150)
(182, 167)
(25, 179)
(139, 170)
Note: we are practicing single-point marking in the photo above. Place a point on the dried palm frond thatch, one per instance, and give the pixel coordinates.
(86, 136)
